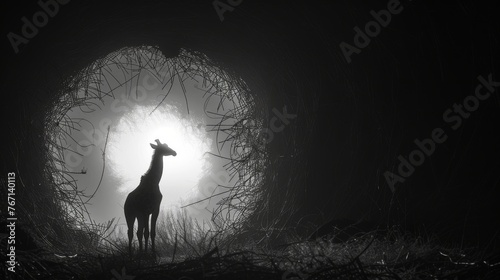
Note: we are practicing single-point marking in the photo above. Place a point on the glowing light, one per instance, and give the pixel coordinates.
(130, 153)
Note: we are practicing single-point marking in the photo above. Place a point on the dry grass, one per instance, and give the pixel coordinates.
(200, 256)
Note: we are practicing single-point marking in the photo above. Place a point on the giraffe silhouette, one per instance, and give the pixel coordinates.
(146, 198)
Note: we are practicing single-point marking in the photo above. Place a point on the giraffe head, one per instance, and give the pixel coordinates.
(163, 149)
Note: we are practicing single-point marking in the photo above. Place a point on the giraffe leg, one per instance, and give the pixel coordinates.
(154, 217)
(130, 232)
(146, 234)
(140, 230)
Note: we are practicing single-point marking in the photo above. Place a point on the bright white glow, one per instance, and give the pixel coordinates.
(130, 153)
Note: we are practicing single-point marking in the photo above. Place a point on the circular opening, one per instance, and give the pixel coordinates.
(116, 107)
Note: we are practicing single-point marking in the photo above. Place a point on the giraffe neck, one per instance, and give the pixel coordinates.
(153, 175)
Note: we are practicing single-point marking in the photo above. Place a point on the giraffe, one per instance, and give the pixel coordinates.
(146, 198)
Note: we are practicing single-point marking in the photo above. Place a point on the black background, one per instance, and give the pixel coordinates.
(353, 120)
